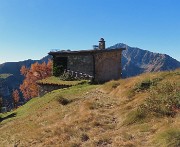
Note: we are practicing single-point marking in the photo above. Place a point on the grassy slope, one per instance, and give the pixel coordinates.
(58, 81)
(4, 76)
(97, 115)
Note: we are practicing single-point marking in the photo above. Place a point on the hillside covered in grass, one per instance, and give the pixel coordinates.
(138, 111)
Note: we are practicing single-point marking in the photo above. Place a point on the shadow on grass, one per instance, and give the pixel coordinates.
(7, 117)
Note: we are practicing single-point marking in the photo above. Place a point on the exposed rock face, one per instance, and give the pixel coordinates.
(136, 61)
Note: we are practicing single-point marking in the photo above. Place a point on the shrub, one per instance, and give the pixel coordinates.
(66, 76)
(63, 100)
(164, 99)
(56, 71)
(143, 85)
(146, 84)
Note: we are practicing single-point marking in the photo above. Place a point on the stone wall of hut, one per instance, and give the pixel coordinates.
(81, 64)
(107, 66)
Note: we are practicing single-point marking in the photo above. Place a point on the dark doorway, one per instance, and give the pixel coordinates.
(61, 65)
(62, 61)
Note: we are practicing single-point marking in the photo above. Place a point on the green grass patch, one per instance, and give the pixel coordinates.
(38, 103)
(4, 76)
(109, 86)
(168, 138)
(144, 127)
(57, 81)
(134, 116)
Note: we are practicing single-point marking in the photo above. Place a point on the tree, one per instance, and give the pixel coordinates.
(29, 87)
(16, 97)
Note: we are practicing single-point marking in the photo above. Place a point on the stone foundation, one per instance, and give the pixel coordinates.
(45, 88)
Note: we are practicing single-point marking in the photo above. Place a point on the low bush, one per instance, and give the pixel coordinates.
(164, 99)
(67, 77)
(142, 86)
(146, 84)
(63, 101)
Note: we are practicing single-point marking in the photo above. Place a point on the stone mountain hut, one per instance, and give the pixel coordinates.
(101, 64)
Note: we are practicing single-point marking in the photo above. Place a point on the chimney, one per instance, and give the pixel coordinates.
(102, 44)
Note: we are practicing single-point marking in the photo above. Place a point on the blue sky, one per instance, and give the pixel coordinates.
(29, 29)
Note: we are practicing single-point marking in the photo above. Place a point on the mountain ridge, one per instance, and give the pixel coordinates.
(135, 61)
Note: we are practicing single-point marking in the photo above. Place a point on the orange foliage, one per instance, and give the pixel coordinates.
(29, 87)
(16, 97)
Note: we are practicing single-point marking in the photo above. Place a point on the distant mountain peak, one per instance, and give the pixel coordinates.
(119, 45)
(136, 61)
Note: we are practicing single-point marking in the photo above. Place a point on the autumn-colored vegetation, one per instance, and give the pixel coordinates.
(16, 97)
(29, 87)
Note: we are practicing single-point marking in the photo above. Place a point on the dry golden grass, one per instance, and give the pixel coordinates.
(97, 115)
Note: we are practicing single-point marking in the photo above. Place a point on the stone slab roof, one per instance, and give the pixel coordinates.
(83, 52)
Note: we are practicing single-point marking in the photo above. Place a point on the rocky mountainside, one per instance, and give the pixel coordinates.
(136, 61)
